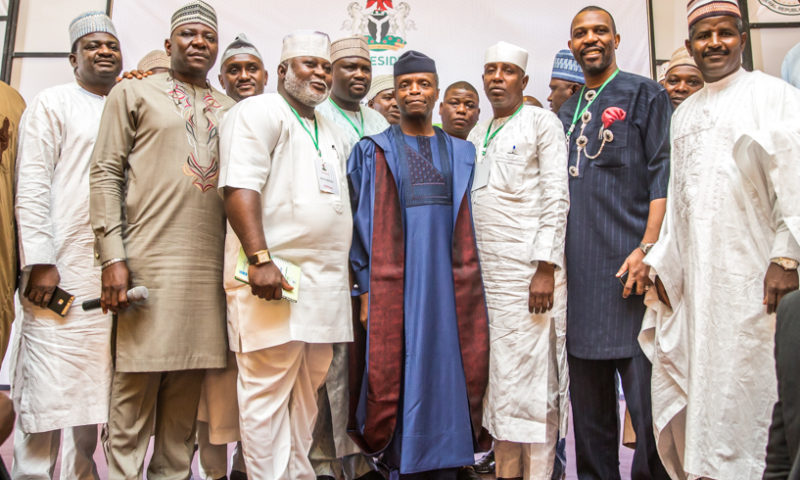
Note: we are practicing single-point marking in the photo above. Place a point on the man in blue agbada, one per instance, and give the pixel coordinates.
(419, 371)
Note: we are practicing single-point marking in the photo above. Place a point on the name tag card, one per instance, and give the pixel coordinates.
(326, 174)
(481, 177)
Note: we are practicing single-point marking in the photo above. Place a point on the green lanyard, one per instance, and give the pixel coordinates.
(577, 115)
(490, 136)
(315, 137)
(346, 117)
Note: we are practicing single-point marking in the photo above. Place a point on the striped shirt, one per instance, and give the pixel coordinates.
(609, 204)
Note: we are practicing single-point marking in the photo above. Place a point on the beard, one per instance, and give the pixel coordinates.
(601, 66)
(302, 91)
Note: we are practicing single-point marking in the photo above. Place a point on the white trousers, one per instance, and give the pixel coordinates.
(277, 390)
(212, 459)
(35, 454)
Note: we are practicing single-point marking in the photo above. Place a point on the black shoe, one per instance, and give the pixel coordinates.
(486, 464)
(373, 475)
(237, 475)
(468, 473)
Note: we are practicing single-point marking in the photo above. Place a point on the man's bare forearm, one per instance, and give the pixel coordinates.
(243, 208)
(658, 208)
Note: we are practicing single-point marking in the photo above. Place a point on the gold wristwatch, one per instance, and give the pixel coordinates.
(259, 258)
(785, 263)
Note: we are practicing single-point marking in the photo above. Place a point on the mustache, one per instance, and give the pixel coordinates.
(593, 47)
(716, 51)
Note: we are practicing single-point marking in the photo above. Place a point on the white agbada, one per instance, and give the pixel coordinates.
(62, 371)
(273, 154)
(713, 381)
(520, 218)
(364, 123)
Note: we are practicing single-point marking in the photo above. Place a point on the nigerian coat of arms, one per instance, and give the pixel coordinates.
(383, 24)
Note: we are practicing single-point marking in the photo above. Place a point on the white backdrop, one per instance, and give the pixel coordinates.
(454, 32)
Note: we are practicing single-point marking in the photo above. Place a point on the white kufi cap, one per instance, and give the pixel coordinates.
(306, 43)
(507, 53)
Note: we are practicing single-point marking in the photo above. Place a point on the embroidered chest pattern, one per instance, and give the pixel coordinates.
(421, 170)
(204, 177)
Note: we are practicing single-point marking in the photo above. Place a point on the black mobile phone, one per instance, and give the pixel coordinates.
(623, 279)
(61, 301)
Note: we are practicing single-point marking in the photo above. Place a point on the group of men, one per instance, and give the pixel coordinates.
(348, 291)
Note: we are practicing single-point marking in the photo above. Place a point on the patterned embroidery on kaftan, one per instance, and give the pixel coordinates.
(204, 177)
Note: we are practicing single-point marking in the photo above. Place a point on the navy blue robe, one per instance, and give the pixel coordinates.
(609, 205)
(433, 429)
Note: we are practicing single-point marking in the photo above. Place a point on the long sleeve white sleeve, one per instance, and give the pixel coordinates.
(39, 148)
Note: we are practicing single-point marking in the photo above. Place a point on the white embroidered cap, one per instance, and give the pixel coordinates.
(306, 43)
(507, 53)
(90, 22)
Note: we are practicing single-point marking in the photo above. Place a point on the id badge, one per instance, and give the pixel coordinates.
(481, 178)
(326, 175)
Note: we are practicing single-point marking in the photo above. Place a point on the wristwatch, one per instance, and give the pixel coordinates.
(785, 263)
(645, 247)
(259, 258)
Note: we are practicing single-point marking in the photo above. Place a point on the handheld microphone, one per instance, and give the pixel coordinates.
(135, 294)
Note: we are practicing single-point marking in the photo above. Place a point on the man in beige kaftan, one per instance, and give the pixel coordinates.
(159, 222)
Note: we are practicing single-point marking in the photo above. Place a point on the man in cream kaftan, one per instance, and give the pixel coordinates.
(62, 367)
(270, 153)
(713, 369)
(333, 453)
(714, 385)
(520, 216)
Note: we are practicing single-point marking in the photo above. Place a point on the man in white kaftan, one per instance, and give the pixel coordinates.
(519, 205)
(286, 196)
(333, 454)
(62, 370)
(352, 78)
(726, 236)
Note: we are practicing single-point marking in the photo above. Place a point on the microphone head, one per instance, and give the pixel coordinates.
(138, 294)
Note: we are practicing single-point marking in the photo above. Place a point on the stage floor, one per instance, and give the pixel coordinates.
(625, 455)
